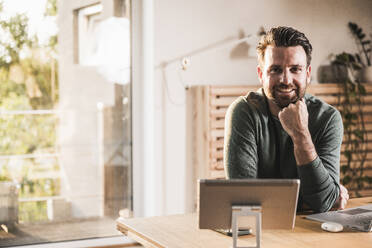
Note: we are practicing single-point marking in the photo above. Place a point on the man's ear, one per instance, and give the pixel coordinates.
(308, 74)
(259, 73)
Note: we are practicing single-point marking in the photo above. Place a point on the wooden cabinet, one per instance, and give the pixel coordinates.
(207, 106)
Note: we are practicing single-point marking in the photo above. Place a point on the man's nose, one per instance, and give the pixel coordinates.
(286, 77)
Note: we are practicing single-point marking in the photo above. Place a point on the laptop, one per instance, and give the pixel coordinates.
(357, 218)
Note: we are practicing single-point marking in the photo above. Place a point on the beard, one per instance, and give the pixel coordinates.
(283, 101)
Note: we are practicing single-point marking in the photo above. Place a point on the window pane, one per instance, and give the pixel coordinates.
(65, 121)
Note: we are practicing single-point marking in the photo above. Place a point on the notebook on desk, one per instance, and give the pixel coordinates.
(358, 218)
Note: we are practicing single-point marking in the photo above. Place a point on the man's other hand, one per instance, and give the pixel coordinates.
(342, 199)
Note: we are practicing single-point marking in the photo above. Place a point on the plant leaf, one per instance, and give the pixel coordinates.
(358, 58)
(368, 179)
(347, 155)
(352, 25)
(346, 180)
(344, 168)
(358, 134)
(362, 90)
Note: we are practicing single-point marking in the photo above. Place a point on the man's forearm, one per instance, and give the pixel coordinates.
(318, 188)
(304, 149)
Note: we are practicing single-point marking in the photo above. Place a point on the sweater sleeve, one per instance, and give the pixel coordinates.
(240, 148)
(320, 178)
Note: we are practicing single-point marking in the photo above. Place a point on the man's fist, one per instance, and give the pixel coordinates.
(294, 119)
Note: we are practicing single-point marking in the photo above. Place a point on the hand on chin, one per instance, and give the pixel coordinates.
(294, 118)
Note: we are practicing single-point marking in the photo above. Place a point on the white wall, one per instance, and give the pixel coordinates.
(184, 27)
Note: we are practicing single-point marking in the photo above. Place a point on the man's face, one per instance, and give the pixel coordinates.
(284, 74)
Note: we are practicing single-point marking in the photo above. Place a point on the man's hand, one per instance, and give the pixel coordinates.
(294, 120)
(342, 199)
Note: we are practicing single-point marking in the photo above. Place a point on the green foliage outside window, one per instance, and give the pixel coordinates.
(28, 81)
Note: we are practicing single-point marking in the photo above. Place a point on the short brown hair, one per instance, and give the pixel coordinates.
(283, 37)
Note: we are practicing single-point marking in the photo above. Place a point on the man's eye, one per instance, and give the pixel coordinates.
(296, 69)
(275, 70)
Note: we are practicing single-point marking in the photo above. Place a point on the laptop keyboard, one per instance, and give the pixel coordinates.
(364, 222)
(354, 218)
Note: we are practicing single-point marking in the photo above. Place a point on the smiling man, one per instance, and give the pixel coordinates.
(280, 131)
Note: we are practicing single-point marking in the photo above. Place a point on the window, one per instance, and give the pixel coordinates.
(87, 20)
(65, 123)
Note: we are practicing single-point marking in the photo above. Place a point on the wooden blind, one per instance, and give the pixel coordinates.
(208, 105)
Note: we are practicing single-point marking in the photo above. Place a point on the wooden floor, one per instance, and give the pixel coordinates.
(24, 234)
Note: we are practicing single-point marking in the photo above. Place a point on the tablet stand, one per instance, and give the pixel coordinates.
(252, 210)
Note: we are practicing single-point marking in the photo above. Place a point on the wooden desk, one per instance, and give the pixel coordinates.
(181, 231)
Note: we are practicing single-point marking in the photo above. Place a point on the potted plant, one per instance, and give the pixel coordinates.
(355, 135)
(363, 56)
(332, 73)
(8, 201)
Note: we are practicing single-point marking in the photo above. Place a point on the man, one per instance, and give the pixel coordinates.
(282, 132)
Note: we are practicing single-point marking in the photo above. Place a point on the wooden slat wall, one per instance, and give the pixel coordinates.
(209, 105)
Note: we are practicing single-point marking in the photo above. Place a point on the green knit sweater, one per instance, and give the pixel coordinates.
(257, 146)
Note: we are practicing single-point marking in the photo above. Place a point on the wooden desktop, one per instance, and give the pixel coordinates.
(181, 231)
